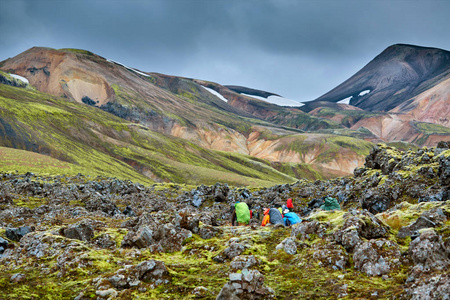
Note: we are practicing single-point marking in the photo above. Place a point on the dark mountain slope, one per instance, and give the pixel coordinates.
(399, 73)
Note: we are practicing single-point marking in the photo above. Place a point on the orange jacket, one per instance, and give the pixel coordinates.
(265, 220)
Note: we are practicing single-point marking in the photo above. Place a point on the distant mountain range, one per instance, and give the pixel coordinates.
(103, 117)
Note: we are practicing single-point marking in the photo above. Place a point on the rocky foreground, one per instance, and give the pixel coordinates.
(103, 238)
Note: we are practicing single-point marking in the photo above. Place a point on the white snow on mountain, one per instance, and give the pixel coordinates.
(215, 93)
(364, 93)
(20, 78)
(131, 69)
(277, 100)
(345, 101)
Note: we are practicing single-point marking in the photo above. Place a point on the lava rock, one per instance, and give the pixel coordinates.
(377, 257)
(82, 231)
(288, 245)
(428, 252)
(15, 234)
(249, 284)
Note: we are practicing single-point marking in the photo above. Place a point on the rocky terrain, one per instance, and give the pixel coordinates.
(81, 237)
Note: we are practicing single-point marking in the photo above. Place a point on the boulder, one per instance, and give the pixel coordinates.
(436, 287)
(421, 223)
(444, 170)
(3, 245)
(142, 238)
(208, 231)
(190, 222)
(348, 237)
(305, 229)
(288, 245)
(243, 262)
(428, 252)
(82, 231)
(249, 284)
(15, 234)
(104, 205)
(331, 255)
(128, 211)
(104, 241)
(171, 238)
(152, 271)
(377, 257)
(366, 224)
(235, 249)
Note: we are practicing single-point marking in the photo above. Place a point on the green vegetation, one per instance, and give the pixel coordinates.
(431, 128)
(85, 139)
(80, 51)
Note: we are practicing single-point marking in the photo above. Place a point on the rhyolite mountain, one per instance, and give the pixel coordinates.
(88, 110)
(168, 128)
(404, 95)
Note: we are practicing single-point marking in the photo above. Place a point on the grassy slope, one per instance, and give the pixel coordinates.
(106, 145)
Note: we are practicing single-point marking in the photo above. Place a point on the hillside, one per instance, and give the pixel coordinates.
(83, 237)
(188, 117)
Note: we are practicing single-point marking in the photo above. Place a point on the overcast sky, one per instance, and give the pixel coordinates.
(298, 49)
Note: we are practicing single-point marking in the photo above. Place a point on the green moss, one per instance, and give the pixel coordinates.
(80, 51)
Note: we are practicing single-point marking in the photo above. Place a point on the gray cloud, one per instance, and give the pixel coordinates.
(299, 49)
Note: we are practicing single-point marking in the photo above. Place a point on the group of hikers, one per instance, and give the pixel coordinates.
(282, 214)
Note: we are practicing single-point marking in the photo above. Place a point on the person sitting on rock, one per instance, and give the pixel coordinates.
(272, 216)
(290, 205)
(291, 218)
(241, 214)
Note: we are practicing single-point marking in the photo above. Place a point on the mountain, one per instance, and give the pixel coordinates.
(398, 74)
(404, 95)
(97, 114)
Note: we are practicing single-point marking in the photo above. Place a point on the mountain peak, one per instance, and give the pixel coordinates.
(397, 74)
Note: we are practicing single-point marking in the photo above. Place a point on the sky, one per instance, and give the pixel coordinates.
(298, 49)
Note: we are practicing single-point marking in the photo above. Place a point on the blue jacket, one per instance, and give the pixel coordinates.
(291, 218)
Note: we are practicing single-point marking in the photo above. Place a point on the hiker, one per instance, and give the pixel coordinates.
(266, 218)
(290, 205)
(330, 204)
(241, 214)
(291, 218)
(272, 216)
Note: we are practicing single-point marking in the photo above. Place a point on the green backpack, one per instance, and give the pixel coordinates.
(330, 204)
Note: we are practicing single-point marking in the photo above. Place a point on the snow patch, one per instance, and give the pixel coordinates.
(277, 100)
(131, 69)
(218, 95)
(364, 93)
(346, 100)
(20, 78)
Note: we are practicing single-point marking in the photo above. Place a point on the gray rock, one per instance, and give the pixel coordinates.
(349, 238)
(288, 245)
(3, 244)
(436, 287)
(16, 278)
(243, 261)
(143, 237)
(428, 252)
(331, 255)
(15, 234)
(421, 223)
(304, 229)
(377, 257)
(104, 241)
(249, 286)
(208, 231)
(81, 231)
